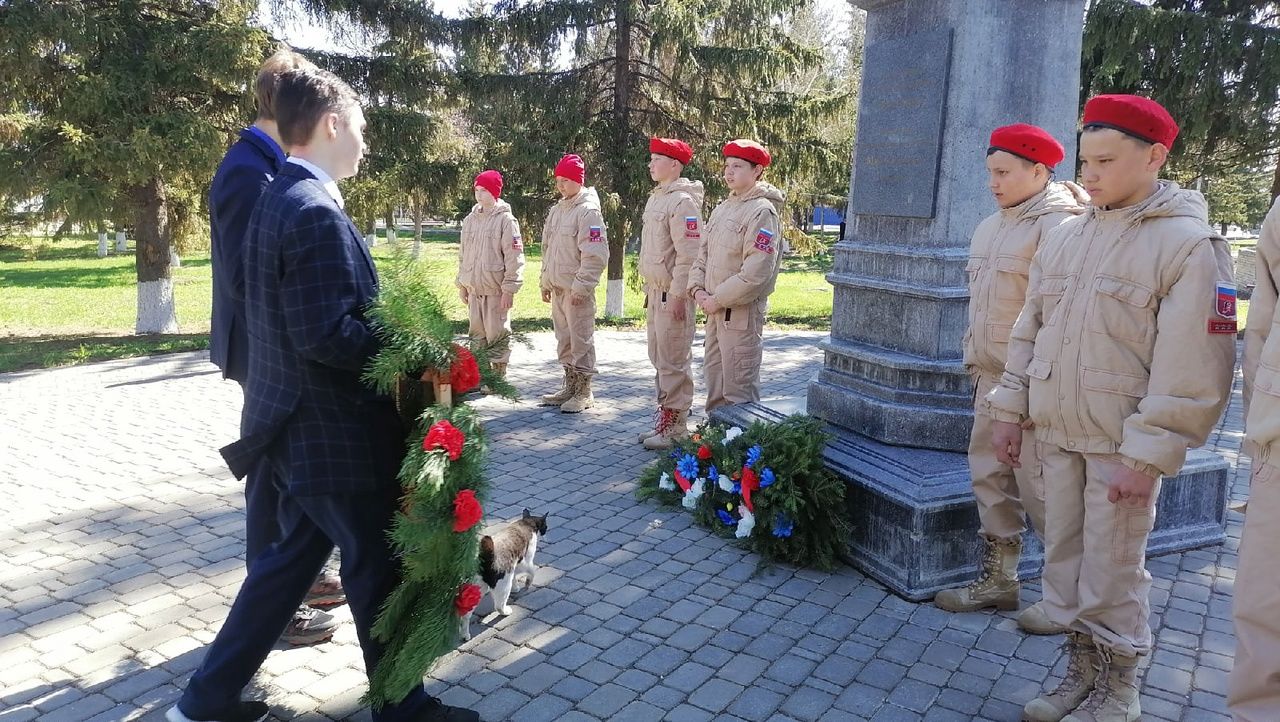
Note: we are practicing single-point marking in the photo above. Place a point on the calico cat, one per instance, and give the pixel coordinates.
(505, 556)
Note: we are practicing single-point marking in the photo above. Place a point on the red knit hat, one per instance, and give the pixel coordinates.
(1028, 142)
(572, 168)
(748, 150)
(1142, 118)
(490, 180)
(672, 148)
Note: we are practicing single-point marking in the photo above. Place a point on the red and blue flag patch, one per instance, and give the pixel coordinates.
(596, 235)
(1226, 301)
(764, 240)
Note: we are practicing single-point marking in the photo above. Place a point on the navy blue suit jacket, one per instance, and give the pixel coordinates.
(308, 279)
(241, 178)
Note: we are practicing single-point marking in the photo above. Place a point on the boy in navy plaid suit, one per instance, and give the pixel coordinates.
(243, 175)
(335, 444)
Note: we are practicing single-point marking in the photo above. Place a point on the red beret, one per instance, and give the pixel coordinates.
(748, 150)
(490, 180)
(1142, 118)
(572, 167)
(1028, 142)
(672, 148)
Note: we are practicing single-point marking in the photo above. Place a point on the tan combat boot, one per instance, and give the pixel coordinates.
(997, 582)
(676, 428)
(1115, 694)
(563, 394)
(499, 370)
(660, 420)
(581, 399)
(1082, 671)
(1034, 620)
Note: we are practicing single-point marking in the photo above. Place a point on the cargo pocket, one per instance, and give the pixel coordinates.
(974, 268)
(1011, 278)
(1050, 291)
(1129, 534)
(1122, 310)
(1113, 382)
(997, 333)
(745, 364)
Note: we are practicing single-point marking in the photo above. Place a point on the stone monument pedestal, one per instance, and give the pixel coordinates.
(915, 526)
(938, 77)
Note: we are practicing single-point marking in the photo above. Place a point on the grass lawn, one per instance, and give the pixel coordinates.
(61, 304)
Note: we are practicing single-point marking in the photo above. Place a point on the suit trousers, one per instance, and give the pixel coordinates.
(278, 581)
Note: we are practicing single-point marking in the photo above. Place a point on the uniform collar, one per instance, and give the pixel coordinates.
(1023, 207)
(270, 142)
(330, 184)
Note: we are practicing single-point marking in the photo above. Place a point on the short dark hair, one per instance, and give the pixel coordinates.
(264, 86)
(1104, 126)
(304, 96)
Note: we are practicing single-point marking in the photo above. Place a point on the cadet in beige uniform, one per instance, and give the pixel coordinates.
(491, 268)
(1255, 679)
(670, 240)
(1122, 357)
(733, 277)
(1020, 161)
(575, 250)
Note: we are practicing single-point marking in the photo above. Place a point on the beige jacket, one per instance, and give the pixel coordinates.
(999, 260)
(1120, 347)
(740, 259)
(575, 244)
(1262, 348)
(492, 252)
(671, 237)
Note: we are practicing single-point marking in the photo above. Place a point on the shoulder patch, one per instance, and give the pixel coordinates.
(596, 234)
(691, 227)
(1225, 302)
(517, 242)
(764, 240)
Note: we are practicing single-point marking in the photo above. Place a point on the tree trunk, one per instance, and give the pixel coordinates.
(156, 312)
(122, 243)
(391, 225)
(615, 285)
(103, 246)
(371, 239)
(417, 227)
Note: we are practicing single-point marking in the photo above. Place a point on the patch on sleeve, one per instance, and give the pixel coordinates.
(517, 243)
(764, 240)
(691, 227)
(596, 235)
(1226, 301)
(1219, 326)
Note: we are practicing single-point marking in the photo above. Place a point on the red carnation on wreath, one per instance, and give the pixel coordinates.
(466, 510)
(750, 483)
(468, 598)
(464, 374)
(445, 436)
(704, 452)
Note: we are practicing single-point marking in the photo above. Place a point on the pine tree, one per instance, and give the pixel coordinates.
(1216, 63)
(122, 107)
(702, 70)
(416, 156)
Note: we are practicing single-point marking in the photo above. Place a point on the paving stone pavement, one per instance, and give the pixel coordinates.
(122, 539)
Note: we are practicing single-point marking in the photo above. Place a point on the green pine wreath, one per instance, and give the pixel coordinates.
(436, 532)
(766, 485)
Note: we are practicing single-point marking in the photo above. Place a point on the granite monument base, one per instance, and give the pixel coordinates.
(915, 524)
